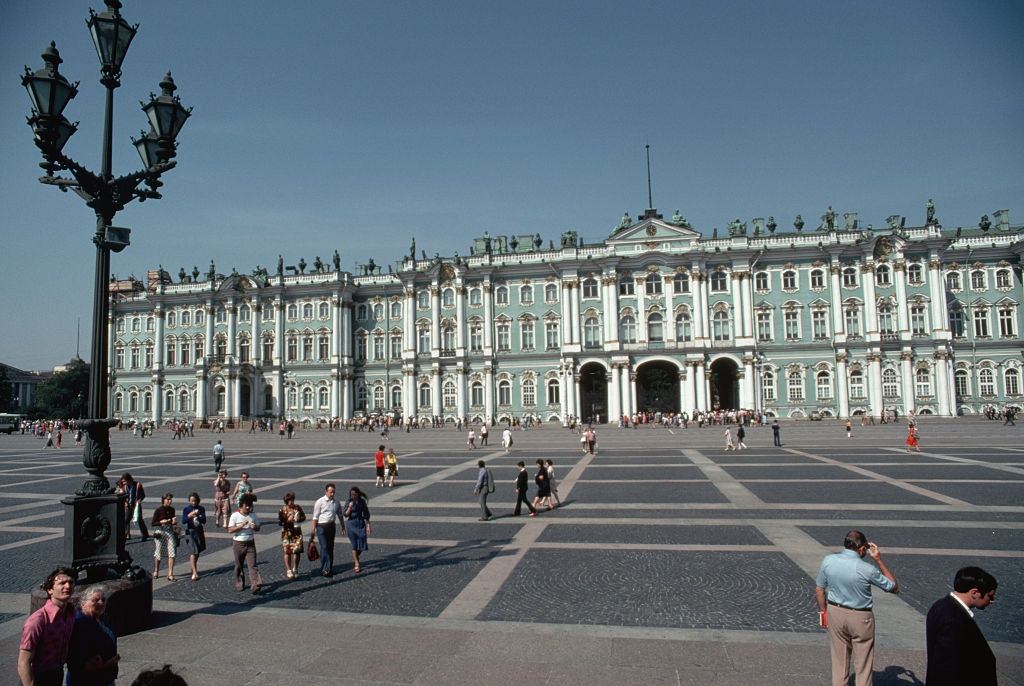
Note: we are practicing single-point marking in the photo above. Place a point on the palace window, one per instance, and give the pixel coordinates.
(396, 346)
(554, 392)
(149, 356)
(186, 348)
(953, 281)
(981, 322)
(423, 299)
(424, 399)
(684, 332)
(890, 383)
(378, 348)
(135, 357)
(761, 282)
(551, 293)
(396, 310)
(795, 384)
(626, 285)
(293, 396)
(268, 349)
(652, 284)
(168, 355)
(378, 312)
(918, 320)
(526, 335)
(849, 277)
(529, 393)
(293, 348)
(923, 383)
(817, 279)
(292, 312)
(526, 295)
(199, 348)
(551, 335)
(186, 317)
(591, 333)
(448, 394)
(423, 338)
(307, 348)
(915, 274)
(501, 295)
(476, 337)
(823, 387)
(857, 384)
(883, 275)
(171, 319)
(119, 358)
(1007, 317)
(221, 346)
(719, 281)
(764, 326)
(956, 323)
(324, 310)
(448, 297)
(243, 351)
(244, 314)
(325, 396)
(268, 314)
(324, 347)
(1003, 279)
(978, 280)
(361, 346)
(721, 326)
(307, 311)
(681, 282)
(150, 325)
(590, 288)
(986, 382)
(655, 328)
(504, 336)
(1011, 382)
(448, 337)
(475, 297)
(220, 315)
(768, 385)
(307, 398)
(819, 324)
(789, 280)
(885, 325)
(791, 320)
(627, 329)
(476, 394)
(504, 392)
(960, 383)
(396, 396)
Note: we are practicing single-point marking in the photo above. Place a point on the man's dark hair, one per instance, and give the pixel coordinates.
(520, 464)
(159, 677)
(854, 540)
(52, 578)
(380, 447)
(974, 577)
(330, 485)
(480, 464)
(246, 499)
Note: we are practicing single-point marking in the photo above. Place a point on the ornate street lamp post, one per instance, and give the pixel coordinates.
(94, 518)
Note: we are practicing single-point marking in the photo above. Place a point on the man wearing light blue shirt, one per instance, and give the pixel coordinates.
(843, 592)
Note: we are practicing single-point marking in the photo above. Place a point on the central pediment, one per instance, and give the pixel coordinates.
(653, 229)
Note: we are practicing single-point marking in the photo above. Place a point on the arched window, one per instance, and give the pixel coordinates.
(221, 400)
(423, 299)
(307, 311)
(655, 328)
(857, 384)
(795, 383)
(475, 297)
(526, 295)
(529, 393)
(961, 383)
(307, 398)
(681, 282)
(761, 281)
(986, 382)
(186, 317)
(183, 401)
(220, 315)
(591, 333)
(292, 312)
(424, 399)
(915, 274)
(719, 281)
(424, 340)
(396, 397)
(378, 398)
(243, 350)
(978, 280)
(923, 382)
(244, 314)
(396, 310)
(293, 396)
(324, 346)
(1011, 381)
(324, 310)
(627, 329)
(118, 402)
(817, 279)
(953, 281)
(849, 277)
(268, 398)
(448, 337)
(652, 284)
(476, 394)
(823, 387)
(721, 325)
(590, 288)
(554, 392)
(883, 275)
(378, 312)
(133, 401)
(448, 297)
(325, 396)
(172, 320)
(200, 317)
(551, 293)
(789, 279)
(501, 295)
(361, 397)
(768, 385)
(683, 329)
(890, 383)
(448, 394)
(168, 401)
(1003, 279)
(504, 392)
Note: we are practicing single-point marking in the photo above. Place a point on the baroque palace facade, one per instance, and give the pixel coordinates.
(839, 321)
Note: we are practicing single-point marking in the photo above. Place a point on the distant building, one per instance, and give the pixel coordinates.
(840, 320)
(23, 386)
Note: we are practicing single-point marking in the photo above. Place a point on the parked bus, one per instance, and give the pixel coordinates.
(9, 423)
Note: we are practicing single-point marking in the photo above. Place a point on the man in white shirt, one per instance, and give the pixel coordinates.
(243, 526)
(325, 511)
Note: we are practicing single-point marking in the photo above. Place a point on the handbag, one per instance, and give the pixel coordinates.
(311, 552)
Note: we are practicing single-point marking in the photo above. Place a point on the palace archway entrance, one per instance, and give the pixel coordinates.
(593, 393)
(657, 387)
(244, 408)
(725, 385)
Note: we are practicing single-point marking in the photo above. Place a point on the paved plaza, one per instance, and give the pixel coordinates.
(671, 561)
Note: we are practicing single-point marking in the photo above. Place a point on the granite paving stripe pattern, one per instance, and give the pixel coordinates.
(810, 471)
(982, 494)
(835, 493)
(648, 493)
(673, 534)
(995, 539)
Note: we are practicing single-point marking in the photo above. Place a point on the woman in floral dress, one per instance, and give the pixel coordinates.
(288, 517)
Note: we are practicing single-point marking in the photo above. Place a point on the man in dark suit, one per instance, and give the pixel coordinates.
(958, 653)
(522, 479)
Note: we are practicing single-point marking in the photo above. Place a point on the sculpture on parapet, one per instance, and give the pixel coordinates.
(679, 220)
(798, 223)
(737, 228)
(929, 209)
(302, 265)
(337, 260)
(195, 273)
(514, 243)
(538, 242)
(626, 221)
(371, 267)
(182, 275)
(280, 265)
(772, 225)
(260, 272)
(412, 249)
(828, 220)
(318, 265)
(487, 242)
(984, 224)
(211, 273)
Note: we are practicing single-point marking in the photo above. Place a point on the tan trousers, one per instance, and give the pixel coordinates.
(853, 634)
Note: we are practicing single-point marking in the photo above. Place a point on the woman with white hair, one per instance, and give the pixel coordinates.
(92, 657)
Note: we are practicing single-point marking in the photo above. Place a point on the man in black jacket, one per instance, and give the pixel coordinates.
(522, 480)
(957, 650)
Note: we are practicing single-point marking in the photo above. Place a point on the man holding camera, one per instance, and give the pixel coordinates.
(843, 592)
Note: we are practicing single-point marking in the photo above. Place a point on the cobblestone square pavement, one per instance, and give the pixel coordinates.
(670, 561)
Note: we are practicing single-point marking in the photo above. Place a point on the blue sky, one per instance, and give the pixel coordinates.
(322, 125)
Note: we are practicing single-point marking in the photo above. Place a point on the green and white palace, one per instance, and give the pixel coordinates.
(838, 320)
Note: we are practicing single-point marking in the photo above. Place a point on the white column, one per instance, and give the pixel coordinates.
(838, 321)
(409, 320)
(632, 390)
(158, 401)
(640, 284)
(867, 275)
(409, 393)
(460, 325)
(669, 316)
(255, 349)
(488, 394)
(566, 314)
(460, 389)
(208, 346)
(902, 315)
(704, 308)
(842, 385)
(615, 394)
(738, 318)
(230, 395)
(158, 353)
(335, 331)
(435, 392)
(576, 399)
(748, 306)
(942, 390)
(563, 394)
(611, 311)
(435, 321)
(937, 291)
(701, 385)
(279, 392)
(488, 327)
(907, 375)
(335, 394)
(574, 310)
(875, 383)
(346, 396)
(749, 386)
(232, 310)
(201, 396)
(683, 376)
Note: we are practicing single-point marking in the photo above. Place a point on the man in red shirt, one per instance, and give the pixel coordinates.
(378, 463)
(46, 636)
